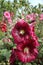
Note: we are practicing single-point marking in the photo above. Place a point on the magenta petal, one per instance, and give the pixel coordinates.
(21, 25)
(13, 56)
(26, 58)
(29, 56)
(29, 33)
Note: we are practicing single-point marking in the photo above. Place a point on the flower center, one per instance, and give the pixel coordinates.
(26, 50)
(22, 32)
(7, 14)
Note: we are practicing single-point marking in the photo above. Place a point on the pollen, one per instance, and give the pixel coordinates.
(22, 32)
(26, 50)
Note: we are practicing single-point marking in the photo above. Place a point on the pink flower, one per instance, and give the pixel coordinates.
(7, 14)
(31, 17)
(41, 17)
(9, 21)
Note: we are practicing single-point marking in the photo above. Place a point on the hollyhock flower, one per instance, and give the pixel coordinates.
(41, 17)
(7, 14)
(32, 26)
(26, 52)
(20, 31)
(9, 21)
(12, 57)
(23, 33)
(31, 17)
(3, 27)
(33, 35)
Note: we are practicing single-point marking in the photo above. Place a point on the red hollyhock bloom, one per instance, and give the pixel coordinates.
(3, 27)
(20, 32)
(33, 35)
(13, 57)
(23, 33)
(26, 52)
